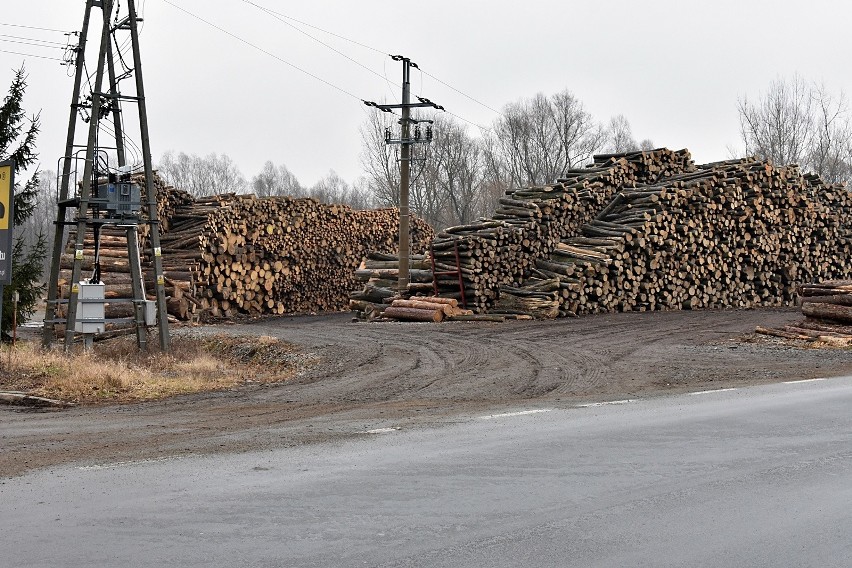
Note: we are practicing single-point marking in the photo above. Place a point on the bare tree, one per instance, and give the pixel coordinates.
(382, 174)
(797, 122)
(780, 125)
(536, 140)
(201, 176)
(276, 180)
(334, 189)
(455, 170)
(647, 145)
(380, 160)
(619, 136)
(830, 153)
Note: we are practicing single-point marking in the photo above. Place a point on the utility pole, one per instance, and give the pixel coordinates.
(105, 196)
(406, 142)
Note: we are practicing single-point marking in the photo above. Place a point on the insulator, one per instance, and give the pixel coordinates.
(387, 134)
(417, 133)
(428, 133)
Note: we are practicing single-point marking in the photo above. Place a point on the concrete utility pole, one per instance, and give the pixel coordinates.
(406, 141)
(404, 173)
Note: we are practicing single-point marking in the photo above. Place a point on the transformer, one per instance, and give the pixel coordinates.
(122, 199)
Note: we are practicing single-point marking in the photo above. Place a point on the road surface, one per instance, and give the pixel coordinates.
(753, 476)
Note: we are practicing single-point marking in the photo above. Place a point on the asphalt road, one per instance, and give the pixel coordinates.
(758, 476)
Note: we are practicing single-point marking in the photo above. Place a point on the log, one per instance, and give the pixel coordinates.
(831, 312)
(414, 314)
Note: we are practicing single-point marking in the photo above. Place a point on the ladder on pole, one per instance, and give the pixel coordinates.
(456, 272)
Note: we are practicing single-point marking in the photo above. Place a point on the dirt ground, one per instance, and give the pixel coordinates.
(375, 375)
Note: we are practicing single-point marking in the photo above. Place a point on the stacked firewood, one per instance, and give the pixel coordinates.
(428, 309)
(378, 278)
(530, 222)
(737, 233)
(828, 310)
(281, 255)
(231, 254)
(731, 234)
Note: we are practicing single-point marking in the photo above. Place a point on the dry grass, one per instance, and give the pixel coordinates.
(116, 371)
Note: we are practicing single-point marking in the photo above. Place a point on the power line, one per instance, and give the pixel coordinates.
(36, 28)
(281, 19)
(460, 92)
(33, 39)
(32, 44)
(30, 55)
(468, 121)
(279, 16)
(270, 54)
(317, 28)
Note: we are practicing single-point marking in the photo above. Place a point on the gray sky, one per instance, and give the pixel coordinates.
(674, 68)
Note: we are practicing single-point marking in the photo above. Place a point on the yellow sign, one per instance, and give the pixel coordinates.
(5, 196)
(7, 220)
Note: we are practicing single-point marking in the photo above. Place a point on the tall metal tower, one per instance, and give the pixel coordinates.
(105, 195)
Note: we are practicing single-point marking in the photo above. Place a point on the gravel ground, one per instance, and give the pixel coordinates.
(375, 375)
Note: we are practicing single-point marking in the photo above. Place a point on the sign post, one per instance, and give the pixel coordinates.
(7, 222)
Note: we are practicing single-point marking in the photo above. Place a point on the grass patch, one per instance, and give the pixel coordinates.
(116, 371)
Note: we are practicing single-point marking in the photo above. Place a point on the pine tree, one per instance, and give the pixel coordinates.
(17, 141)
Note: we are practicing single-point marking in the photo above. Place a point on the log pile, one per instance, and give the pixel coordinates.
(827, 307)
(828, 301)
(530, 222)
(237, 254)
(281, 255)
(428, 309)
(731, 234)
(180, 289)
(377, 278)
(738, 233)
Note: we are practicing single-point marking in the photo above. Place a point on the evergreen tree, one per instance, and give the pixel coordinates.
(17, 141)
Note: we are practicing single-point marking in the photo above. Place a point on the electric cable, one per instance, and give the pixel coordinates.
(461, 93)
(31, 44)
(31, 55)
(36, 28)
(270, 54)
(383, 52)
(32, 39)
(316, 39)
(280, 16)
(344, 38)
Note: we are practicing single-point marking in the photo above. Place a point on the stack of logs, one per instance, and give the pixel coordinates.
(828, 310)
(281, 255)
(651, 231)
(430, 309)
(731, 234)
(499, 252)
(530, 222)
(237, 254)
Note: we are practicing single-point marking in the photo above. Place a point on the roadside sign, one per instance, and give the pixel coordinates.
(7, 220)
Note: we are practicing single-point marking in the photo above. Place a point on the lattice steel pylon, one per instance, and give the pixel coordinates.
(96, 197)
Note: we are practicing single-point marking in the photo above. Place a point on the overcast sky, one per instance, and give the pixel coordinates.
(674, 68)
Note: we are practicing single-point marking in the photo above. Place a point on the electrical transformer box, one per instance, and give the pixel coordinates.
(122, 198)
(90, 308)
(150, 312)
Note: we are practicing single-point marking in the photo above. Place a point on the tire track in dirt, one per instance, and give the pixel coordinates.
(409, 374)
